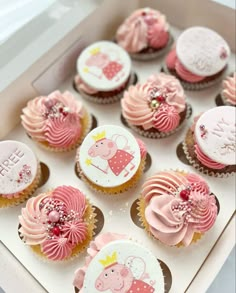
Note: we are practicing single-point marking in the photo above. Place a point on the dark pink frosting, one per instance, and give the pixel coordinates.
(166, 118)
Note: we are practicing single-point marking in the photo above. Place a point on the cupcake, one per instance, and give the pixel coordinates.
(210, 143)
(116, 264)
(156, 108)
(58, 122)
(144, 34)
(177, 207)
(110, 159)
(199, 59)
(57, 225)
(104, 72)
(228, 93)
(20, 173)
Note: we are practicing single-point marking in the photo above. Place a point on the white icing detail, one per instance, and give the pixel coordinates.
(104, 66)
(202, 51)
(220, 142)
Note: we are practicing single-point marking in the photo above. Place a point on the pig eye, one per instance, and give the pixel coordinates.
(106, 275)
(96, 146)
(101, 142)
(112, 271)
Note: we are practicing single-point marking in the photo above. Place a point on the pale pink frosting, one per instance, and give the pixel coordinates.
(204, 159)
(166, 118)
(82, 86)
(61, 128)
(143, 28)
(173, 63)
(172, 218)
(143, 148)
(58, 248)
(135, 106)
(55, 221)
(229, 89)
(137, 109)
(95, 246)
(173, 89)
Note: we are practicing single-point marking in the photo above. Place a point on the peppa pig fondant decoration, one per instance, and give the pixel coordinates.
(104, 66)
(109, 156)
(124, 267)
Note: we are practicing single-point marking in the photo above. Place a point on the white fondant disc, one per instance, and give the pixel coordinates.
(136, 270)
(202, 51)
(219, 141)
(104, 66)
(18, 166)
(109, 156)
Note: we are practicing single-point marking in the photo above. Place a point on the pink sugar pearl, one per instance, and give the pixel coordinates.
(54, 216)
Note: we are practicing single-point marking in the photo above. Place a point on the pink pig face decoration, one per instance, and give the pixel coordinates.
(104, 148)
(98, 60)
(117, 278)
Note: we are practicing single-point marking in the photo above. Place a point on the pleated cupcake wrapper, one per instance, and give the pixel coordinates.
(153, 55)
(201, 168)
(113, 191)
(198, 85)
(157, 134)
(87, 125)
(141, 213)
(77, 250)
(111, 99)
(25, 194)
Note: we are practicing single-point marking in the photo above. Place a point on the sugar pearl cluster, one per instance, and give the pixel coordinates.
(54, 109)
(157, 96)
(57, 216)
(25, 174)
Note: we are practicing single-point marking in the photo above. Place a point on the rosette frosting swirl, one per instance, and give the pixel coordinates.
(229, 89)
(55, 221)
(154, 104)
(174, 212)
(142, 29)
(55, 119)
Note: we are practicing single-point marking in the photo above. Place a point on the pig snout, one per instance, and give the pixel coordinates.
(99, 285)
(91, 153)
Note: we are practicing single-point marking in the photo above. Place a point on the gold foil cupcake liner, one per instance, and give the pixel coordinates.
(154, 135)
(201, 168)
(24, 195)
(111, 99)
(90, 219)
(112, 191)
(86, 122)
(155, 54)
(198, 85)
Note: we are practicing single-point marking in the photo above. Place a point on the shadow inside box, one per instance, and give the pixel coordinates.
(45, 173)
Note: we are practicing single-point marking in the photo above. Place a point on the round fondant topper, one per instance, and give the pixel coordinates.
(215, 134)
(18, 166)
(202, 51)
(124, 266)
(104, 66)
(109, 156)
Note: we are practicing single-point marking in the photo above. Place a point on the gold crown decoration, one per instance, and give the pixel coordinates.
(99, 136)
(109, 260)
(94, 51)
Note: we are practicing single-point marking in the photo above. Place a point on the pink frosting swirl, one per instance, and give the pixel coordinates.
(229, 89)
(32, 220)
(82, 86)
(143, 148)
(174, 217)
(143, 28)
(166, 118)
(55, 221)
(173, 63)
(57, 249)
(75, 231)
(135, 106)
(171, 87)
(51, 119)
(206, 161)
(95, 246)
